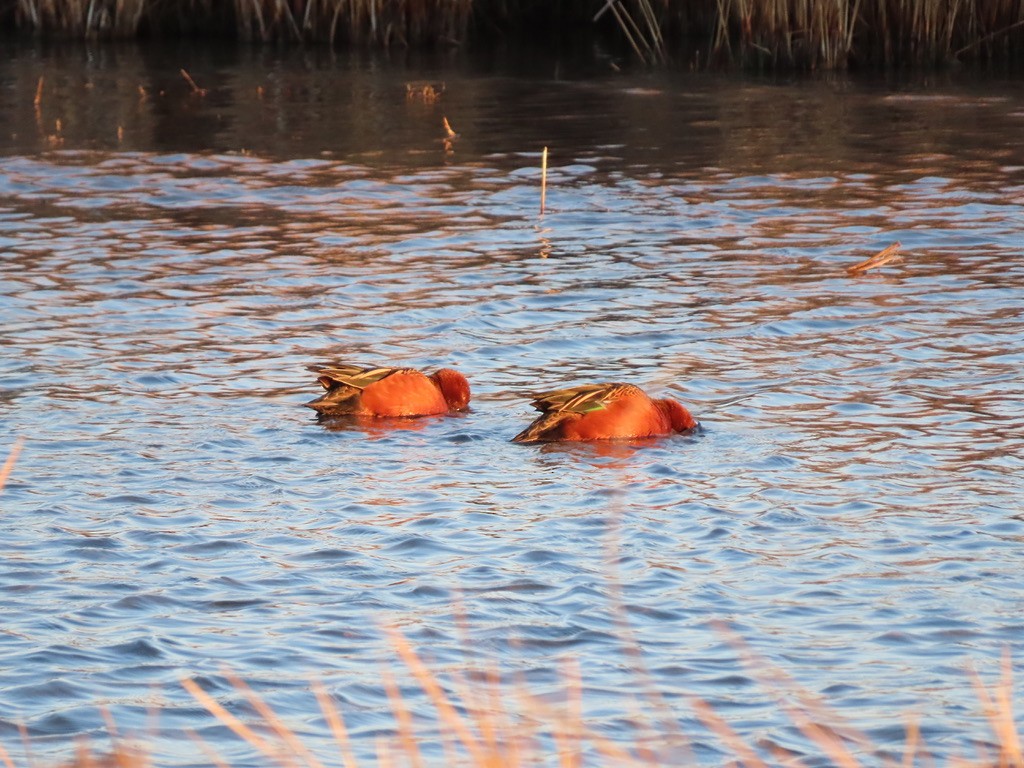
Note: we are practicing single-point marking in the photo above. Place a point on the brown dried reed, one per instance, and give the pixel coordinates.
(493, 732)
(885, 256)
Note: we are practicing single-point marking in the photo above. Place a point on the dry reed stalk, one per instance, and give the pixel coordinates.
(568, 740)
(717, 725)
(910, 748)
(504, 742)
(39, 93)
(998, 708)
(26, 743)
(270, 717)
(633, 34)
(215, 760)
(195, 88)
(108, 720)
(616, 754)
(448, 132)
(654, 28)
(337, 725)
(449, 136)
(523, 730)
(429, 684)
(678, 744)
(986, 38)
(467, 693)
(236, 725)
(543, 180)
(12, 457)
(495, 723)
(830, 740)
(889, 254)
(406, 735)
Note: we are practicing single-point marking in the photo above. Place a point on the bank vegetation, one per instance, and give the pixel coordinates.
(762, 34)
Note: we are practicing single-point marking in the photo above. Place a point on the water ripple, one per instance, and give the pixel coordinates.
(850, 508)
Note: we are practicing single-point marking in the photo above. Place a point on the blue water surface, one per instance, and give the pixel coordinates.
(842, 538)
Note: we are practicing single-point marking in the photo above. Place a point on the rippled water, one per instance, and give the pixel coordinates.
(172, 262)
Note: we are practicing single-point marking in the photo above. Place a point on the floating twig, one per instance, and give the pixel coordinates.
(195, 88)
(883, 257)
(39, 93)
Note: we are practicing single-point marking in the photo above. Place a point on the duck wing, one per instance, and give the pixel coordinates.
(354, 376)
(582, 399)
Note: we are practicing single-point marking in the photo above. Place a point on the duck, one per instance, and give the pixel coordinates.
(608, 411)
(354, 390)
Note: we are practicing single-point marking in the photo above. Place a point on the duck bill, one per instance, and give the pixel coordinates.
(331, 402)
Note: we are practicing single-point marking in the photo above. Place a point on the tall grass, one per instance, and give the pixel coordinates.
(383, 22)
(484, 723)
(808, 34)
(82, 18)
(835, 34)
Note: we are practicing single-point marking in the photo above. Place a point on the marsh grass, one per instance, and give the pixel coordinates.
(82, 18)
(377, 22)
(804, 34)
(484, 721)
(820, 34)
(482, 726)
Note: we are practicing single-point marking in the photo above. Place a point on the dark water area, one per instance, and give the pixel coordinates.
(173, 260)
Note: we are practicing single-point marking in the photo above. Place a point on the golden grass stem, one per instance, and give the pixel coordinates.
(211, 754)
(12, 457)
(269, 716)
(337, 725)
(449, 716)
(570, 738)
(913, 739)
(406, 735)
(108, 719)
(998, 708)
(543, 180)
(615, 754)
(717, 725)
(236, 725)
(988, 38)
(26, 743)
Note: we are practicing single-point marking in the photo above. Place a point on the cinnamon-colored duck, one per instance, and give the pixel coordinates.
(603, 412)
(356, 391)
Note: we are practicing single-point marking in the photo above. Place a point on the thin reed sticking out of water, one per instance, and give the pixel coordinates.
(543, 180)
(192, 83)
(645, 39)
